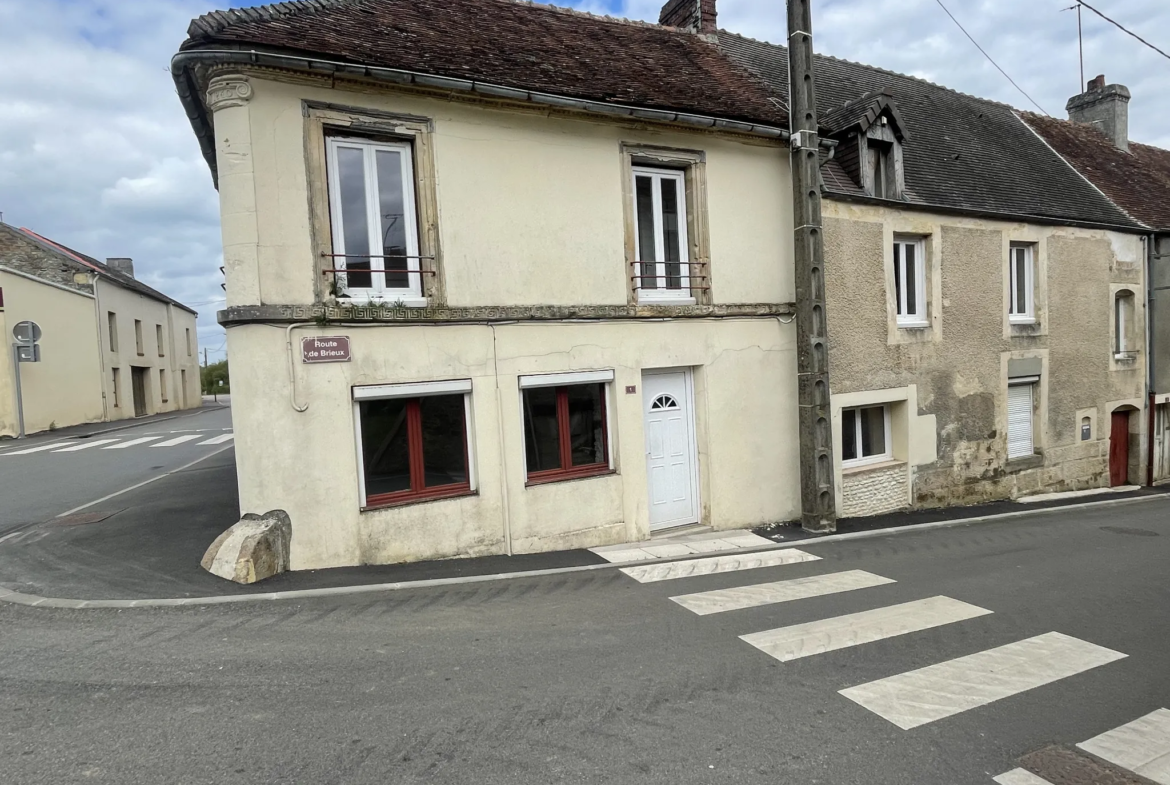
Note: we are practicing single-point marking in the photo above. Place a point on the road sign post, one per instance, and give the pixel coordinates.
(25, 350)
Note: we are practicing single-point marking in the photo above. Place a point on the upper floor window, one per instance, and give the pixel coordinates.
(910, 282)
(372, 213)
(1124, 344)
(188, 340)
(138, 337)
(158, 338)
(112, 329)
(660, 232)
(1021, 285)
(881, 169)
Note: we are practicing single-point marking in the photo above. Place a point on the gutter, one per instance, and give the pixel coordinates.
(192, 98)
(893, 204)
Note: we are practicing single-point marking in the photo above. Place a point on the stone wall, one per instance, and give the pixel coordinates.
(25, 255)
(873, 491)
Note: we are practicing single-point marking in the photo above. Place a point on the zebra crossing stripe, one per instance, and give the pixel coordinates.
(938, 691)
(649, 573)
(1142, 746)
(740, 597)
(132, 443)
(42, 448)
(87, 445)
(227, 437)
(178, 440)
(1021, 777)
(841, 632)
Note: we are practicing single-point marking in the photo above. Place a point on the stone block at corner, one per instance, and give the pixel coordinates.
(255, 548)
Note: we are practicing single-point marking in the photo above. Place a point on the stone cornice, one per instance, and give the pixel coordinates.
(374, 314)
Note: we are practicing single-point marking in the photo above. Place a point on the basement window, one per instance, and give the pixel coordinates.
(413, 442)
(565, 427)
(865, 436)
(373, 221)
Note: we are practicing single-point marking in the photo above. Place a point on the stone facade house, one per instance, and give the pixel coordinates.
(972, 278)
(549, 259)
(1095, 141)
(111, 346)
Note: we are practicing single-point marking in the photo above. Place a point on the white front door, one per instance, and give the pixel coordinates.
(671, 462)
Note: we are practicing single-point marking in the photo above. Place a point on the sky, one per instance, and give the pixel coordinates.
(96, 152)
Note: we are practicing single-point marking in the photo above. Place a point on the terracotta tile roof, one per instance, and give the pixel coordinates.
(960, 152)
(1139, 180)
(514, 44)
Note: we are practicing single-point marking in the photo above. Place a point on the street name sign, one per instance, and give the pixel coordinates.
(328, 349)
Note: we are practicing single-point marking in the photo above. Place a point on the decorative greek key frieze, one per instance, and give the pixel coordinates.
(225, 91)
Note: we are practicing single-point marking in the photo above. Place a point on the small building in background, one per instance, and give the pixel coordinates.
(111, 346)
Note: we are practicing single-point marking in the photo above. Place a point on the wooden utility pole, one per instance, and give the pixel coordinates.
(818, 511)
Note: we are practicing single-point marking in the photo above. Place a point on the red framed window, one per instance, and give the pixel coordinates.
(414, 449)
(565, 432)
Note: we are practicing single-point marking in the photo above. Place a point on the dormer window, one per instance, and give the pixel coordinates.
(880, 171)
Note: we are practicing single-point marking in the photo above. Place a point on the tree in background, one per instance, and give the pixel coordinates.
(210, 377)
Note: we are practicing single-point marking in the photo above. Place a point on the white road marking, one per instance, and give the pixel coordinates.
(54, 445)
(227, 437)
(1021, 777)
(740, 597)
(136, 486)
(132, 443)
(938, 691)
(649, 573)
(817, 637)
(1142, 746)
(87, 445)
(178, 440)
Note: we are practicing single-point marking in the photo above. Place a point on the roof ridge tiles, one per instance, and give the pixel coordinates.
(880, 70)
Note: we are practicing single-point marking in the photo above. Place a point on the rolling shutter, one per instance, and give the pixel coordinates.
(1020, 442)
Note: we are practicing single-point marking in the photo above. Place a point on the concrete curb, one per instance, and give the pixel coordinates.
(34, 601)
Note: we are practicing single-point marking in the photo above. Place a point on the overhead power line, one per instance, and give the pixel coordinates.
(1120, 27)
(989, 59)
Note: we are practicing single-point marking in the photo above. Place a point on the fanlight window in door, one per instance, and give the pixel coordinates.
(664, 402)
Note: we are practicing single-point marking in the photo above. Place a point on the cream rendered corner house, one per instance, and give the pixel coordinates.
(111, 347)
(555, 279)
(985, 303)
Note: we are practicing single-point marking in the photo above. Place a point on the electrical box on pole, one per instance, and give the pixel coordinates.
(817, 496)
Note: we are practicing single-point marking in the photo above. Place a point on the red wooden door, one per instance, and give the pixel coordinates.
(1119, 450)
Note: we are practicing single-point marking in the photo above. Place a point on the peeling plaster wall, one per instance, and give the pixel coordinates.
(959, 364)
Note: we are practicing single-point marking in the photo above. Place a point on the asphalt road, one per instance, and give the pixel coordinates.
(65, 472)
(595, 677)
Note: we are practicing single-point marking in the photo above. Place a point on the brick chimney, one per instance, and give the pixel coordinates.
(698, 16)
(122, 265)
(1106, 108)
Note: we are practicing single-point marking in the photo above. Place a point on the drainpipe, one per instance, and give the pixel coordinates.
(1151, 243)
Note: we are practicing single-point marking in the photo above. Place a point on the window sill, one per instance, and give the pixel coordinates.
(388, 500)
(582, 473)
(861, 468)
(1024, 462)
(386, 301)
(667, 301)
(1021, 321)
(913, 325)
(1125, 357)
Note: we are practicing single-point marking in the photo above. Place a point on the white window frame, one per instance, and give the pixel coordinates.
(1123, 301)
(887, 455)
(411, 295)
(1024, 254)
(376, 392)
(683, 295)
(919, 317)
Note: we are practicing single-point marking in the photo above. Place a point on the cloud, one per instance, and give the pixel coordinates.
(97, 152)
